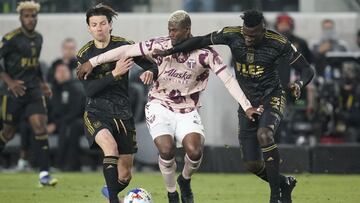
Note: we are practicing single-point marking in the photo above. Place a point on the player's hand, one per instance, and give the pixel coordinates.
(122, 66)
(147, 77)
(160, 52)
(295, 90)
(17, 87)
(83, 70)
(46, 89)
(252, 112)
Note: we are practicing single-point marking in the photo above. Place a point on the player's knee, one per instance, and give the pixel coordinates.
(9, 133)
(194, 152)
(125, 176)
(265, 136)
(166, 152)
(39, 129)
(253, 166)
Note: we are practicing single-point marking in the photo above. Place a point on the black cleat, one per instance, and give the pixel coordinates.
(287, 189)
(185, 189)
(276, 201)
(173, 197)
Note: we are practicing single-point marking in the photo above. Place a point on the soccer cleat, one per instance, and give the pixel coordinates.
(287, 188)
(48, 181)
(275, 201)
(173, 197)
(185, 190)
(105, 192)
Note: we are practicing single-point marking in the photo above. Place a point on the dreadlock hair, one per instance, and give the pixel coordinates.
(252, 18)
(101, 10)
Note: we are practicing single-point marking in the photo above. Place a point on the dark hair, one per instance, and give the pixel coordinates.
(101, 10)
(252, 18)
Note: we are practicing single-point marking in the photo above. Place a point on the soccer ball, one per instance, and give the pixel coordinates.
(138, 195)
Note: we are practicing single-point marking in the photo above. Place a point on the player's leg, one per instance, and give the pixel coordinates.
(10, 113)
(167, 164)
(107, 143)
(160, 122)
(268, 125)
(190, 132)
(127, 146)
(38, 125)
(6, 134)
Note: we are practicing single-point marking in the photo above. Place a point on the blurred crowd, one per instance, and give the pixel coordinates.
(329, 109)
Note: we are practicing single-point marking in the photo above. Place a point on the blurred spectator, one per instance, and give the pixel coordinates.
(328, 42)
(285, 25)
(66, 108)
(347, 111)
(68, 51)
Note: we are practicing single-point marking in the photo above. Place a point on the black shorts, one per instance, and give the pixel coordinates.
(274, 106)
(13, 109)
(123, 131)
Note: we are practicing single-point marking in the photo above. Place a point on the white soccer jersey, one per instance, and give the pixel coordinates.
(182, 76)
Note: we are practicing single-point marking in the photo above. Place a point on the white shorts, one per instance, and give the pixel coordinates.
(162, 121)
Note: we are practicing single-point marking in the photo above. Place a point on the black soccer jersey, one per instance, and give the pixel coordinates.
(20, 54)
(255, 67)
(106, 94)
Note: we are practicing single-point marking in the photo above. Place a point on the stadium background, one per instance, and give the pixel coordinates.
(144, 19)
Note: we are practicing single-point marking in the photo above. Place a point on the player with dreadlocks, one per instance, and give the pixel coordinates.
(256, 51)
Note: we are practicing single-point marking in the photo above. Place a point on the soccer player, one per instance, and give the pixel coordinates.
(20, 70)
(256, 51)
(109, 123)
(172, 109)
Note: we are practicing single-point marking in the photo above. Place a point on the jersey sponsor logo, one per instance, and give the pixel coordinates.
(29, 62)
(253, 71)
(177, 74)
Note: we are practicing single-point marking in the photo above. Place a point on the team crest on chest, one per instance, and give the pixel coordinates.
(191, 63)
(250, 57)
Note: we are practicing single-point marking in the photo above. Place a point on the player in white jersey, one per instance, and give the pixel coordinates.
(172, 109)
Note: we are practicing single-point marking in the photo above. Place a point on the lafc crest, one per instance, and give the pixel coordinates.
(250, 57)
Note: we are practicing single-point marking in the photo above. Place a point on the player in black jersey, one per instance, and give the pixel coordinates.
(109, 122)
(20, 70)
(256, 51)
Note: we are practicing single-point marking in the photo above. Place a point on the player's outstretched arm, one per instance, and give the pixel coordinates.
(237, 93)
(94, 86)
(116, 54)
(188, 45)
(306, 74)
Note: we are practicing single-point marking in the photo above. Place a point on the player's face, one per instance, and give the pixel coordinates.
(28, 19)
(253, 35)
(99, 28)
(178, 33)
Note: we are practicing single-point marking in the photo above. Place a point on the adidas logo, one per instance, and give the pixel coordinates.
(270, 159)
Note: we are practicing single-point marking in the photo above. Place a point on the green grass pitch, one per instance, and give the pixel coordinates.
(208, 188)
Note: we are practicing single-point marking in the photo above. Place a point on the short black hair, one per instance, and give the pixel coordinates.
(252, 18)
(101, 10)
